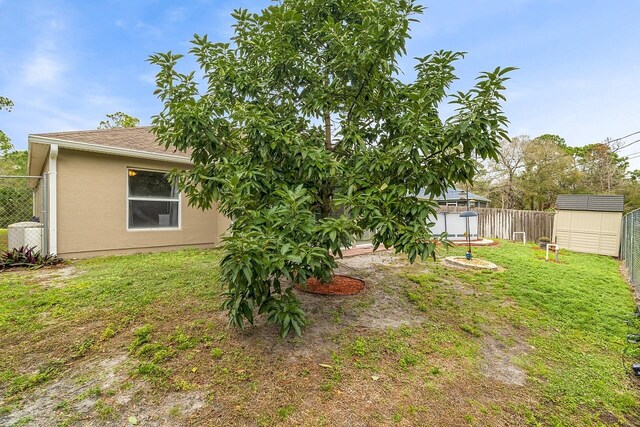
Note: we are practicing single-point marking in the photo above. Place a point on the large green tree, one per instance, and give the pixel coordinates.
(498, 179)
(302, 132)
(5, 141)
(602, 167)
(119, 120)
(548, 170)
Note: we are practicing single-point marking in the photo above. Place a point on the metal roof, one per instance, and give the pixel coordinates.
(590, 202)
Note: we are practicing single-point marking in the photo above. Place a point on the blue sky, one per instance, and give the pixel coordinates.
(66, 64)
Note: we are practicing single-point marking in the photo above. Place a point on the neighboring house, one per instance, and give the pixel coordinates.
(589, 223)
(449, 220)
(108, 193)
(456, 197)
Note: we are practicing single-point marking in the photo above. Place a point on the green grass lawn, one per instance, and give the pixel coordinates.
(4, 244)
(423, 345)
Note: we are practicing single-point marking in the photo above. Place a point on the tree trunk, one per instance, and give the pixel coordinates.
(327, 130)
(326, 194)
(326, 204)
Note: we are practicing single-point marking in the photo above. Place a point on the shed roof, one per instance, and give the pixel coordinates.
(590, 202)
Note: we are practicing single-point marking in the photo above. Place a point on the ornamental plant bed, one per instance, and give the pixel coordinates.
(340, 285)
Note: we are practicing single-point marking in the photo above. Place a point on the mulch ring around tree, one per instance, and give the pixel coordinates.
(340, 285)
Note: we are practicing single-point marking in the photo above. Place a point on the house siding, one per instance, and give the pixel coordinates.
(92, 210)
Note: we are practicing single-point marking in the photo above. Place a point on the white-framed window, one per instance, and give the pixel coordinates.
(153, 200)
(452, 203)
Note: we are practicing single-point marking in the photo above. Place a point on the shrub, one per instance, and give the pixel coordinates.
(26, 256)
(301, 119)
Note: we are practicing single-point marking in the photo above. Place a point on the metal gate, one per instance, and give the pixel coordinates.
(631, 245)
(23, 212)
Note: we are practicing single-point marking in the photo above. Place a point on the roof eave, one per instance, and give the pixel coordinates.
(104, 149)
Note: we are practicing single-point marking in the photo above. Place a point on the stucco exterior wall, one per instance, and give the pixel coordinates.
(92, 210)
(588, 231)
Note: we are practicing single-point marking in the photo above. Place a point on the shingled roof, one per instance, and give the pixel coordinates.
(138, 138)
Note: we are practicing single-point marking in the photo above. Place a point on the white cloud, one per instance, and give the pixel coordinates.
(42, 69)
(56, 24)
(176, 14)
(105, 102)
(44, 79)
(149, 78)
(147, 30)
(51, 118)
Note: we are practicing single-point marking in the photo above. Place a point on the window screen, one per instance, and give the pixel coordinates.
(154, 200)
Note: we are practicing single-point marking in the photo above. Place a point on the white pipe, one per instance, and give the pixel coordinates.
(53, 199)
(556, 248)
(524, 236)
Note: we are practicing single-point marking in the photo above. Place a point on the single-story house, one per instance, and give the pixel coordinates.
(456, 197)
(107, 192)
(449, 220)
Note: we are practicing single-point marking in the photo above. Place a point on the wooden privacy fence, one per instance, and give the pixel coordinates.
(502, 223)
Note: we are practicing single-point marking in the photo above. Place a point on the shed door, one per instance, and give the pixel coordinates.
(586, 231)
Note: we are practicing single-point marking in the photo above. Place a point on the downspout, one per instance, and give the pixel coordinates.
(53, 199)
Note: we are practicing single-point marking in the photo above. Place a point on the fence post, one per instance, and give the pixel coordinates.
(631, 267)
(630, 239)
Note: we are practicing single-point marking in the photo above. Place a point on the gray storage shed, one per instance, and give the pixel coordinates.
(589, 223)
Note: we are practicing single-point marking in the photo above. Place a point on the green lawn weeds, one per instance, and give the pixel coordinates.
(536, 343)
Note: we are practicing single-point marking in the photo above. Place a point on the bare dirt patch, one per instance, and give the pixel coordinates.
(474, 263)
(75, 390)
(380, 305)
(57, 277)
(99, 392)
(372, 260)
(498, 361)
(171, 409)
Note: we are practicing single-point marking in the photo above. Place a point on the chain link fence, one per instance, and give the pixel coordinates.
(631, 245)
(23, 213)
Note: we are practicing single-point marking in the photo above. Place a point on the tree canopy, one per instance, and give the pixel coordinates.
(301, 130)
(119, 120)
(530, 173)
(5, 141)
